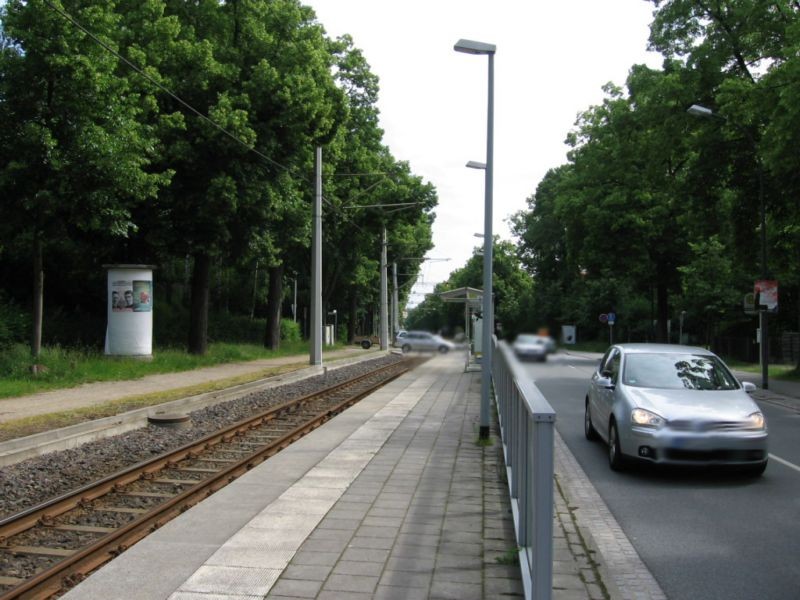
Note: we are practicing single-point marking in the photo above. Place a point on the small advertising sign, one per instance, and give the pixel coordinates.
(766, 295)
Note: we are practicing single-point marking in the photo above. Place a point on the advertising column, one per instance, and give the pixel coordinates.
(130, 310)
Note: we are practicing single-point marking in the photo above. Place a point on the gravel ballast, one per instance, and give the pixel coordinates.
(36, 480)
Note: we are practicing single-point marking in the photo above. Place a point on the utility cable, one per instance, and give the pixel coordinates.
(162, 87)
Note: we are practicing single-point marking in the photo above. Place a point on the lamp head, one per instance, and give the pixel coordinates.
(472, 47)
(697, 110)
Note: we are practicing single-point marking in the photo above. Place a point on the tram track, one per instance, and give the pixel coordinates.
(48, 548)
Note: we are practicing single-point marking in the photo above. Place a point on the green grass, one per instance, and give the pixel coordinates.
(72, 367)
(510, 557)
(594, 346)
(788, 372)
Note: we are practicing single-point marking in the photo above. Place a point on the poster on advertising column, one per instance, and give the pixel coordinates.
(129, 331)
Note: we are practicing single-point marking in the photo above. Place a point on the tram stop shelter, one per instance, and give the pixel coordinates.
(472, 299)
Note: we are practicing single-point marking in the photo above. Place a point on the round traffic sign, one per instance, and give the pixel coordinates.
(603, 318)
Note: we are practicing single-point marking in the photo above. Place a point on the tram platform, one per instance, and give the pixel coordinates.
(394, 498)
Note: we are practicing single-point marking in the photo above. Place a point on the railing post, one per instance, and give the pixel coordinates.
(526, 427)
(542, 564)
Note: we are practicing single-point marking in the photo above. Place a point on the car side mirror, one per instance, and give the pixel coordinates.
(748, 387)
(606, 382)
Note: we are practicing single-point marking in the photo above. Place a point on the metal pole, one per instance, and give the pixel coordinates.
(762, 314)
(488, 312)
(395, 300)
(294, 302)
(384, 295)
(315, 337)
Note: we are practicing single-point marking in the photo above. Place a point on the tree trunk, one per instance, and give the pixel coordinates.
(198, 315)
(351, 321)
(272, 336)
(38, 296)
(662, 310)
(255, 293)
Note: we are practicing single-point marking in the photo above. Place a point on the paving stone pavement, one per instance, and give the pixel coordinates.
(430, 517)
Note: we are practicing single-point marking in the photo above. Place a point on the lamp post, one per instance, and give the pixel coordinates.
(702, 111)
(315, 341)
(472, 47)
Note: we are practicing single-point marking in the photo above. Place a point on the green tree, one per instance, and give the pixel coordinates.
(261, 72)
(512, 288)
(77, 154)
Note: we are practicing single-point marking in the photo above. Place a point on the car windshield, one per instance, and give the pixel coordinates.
(677, 371)
(528, 339)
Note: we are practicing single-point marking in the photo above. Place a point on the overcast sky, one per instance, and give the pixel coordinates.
(553, 57)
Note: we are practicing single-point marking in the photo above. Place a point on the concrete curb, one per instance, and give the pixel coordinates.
(622, 571)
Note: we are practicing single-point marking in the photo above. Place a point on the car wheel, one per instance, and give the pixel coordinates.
(588, 429)
(544, 358)
(443, 349)
(757, 470)
(366, 344)
(406, 348)
(615, 459)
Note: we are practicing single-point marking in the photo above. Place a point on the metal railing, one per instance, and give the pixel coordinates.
(526, 424)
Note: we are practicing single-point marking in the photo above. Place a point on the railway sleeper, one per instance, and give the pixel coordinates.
(122, 509)
(83, 528)
(135, 494)
(40, 550)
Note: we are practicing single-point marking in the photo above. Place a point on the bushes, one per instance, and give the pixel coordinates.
(170, 327)
(14, 323)
(290, 331)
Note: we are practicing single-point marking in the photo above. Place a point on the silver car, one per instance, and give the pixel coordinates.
(424, 341)
(530, 347)
(671, 404)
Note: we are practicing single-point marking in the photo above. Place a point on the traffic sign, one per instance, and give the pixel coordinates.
(612, 318)
(603, 318)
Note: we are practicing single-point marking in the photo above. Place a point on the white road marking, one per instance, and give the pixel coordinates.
(785, 462)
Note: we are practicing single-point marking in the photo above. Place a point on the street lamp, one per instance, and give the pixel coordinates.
(472, 47)
(702, 111)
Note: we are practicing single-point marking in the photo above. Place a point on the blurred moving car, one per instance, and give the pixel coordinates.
(528, 346)
(671, 404)
(422, 341)
(398, 339)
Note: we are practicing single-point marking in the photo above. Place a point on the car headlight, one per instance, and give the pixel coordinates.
(645, 418)
(756, 421)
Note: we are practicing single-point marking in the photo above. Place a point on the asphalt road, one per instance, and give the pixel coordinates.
(704, 534)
